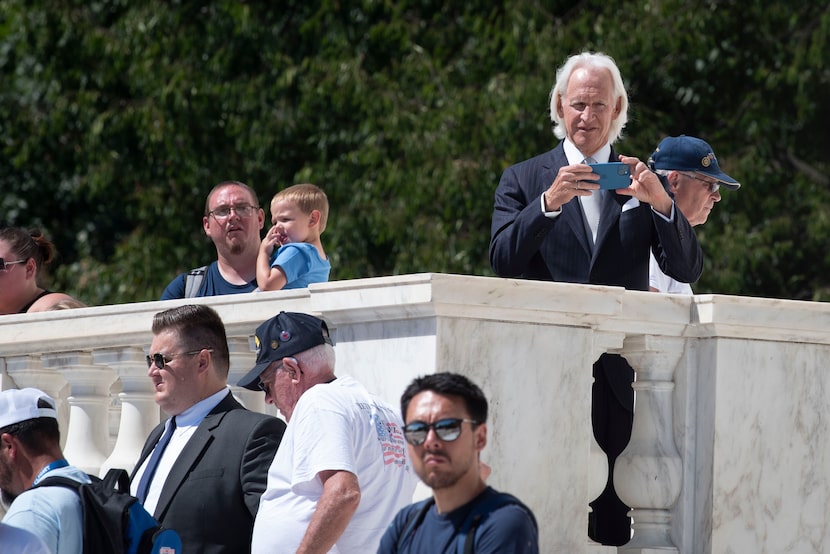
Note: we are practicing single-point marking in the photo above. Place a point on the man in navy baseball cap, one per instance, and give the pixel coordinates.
(282, 336)
(689, 170)
(692, 155)
(342, 471)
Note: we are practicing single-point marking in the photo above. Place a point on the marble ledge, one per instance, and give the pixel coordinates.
(768, 319)
(120, 325)
(464, 296)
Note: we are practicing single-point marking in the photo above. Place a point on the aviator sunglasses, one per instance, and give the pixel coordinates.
(160, 360)
(447, 430)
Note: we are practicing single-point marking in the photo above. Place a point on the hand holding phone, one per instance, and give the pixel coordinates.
(612, 175)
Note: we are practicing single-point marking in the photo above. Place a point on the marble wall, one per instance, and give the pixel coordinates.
(731, 448)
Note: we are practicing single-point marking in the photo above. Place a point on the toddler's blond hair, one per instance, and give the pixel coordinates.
(308, 197)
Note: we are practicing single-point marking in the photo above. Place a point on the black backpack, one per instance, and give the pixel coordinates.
(115, 522)
(466, 537)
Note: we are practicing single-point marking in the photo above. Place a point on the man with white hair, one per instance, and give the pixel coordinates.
(552, 222)
(342, 471)
(691, 173)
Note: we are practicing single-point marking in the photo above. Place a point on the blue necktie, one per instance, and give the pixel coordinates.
(152, 465)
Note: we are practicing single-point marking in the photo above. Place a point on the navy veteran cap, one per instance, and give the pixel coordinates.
(285, 334)
(690, 154)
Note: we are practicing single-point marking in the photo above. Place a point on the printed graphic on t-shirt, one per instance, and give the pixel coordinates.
(389, 434)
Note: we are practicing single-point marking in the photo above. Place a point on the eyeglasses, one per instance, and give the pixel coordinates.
(713, 185)
(265, 387)
(224, 212)
(447, 430)
(161, 360)
(4, 265)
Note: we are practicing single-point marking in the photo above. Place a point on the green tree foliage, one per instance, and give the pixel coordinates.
(117, 117)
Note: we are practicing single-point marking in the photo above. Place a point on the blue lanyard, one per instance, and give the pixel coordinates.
(54, 465)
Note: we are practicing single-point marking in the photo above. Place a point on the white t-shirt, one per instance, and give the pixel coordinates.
(662, 282)
(335, 426)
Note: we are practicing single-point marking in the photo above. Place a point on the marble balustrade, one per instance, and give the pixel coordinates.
(730, 450)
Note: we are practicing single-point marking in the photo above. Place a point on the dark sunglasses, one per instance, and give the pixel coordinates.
(161, 360)
(4, 265)
(447, 430)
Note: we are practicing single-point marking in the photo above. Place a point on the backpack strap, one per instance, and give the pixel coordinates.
(467, 535)
(193, 281)
(60, 481)
(416, 516)
(118, 479)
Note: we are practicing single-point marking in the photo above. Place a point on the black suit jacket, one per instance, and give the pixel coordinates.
(211, 495)
(525, 243)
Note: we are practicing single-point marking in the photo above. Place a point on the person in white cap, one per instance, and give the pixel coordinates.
(29, 451)
(691, 174)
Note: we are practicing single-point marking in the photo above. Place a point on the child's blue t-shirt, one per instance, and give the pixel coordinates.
(301, 264)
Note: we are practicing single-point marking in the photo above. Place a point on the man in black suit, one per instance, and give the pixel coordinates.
(551, 222)
(203, 470)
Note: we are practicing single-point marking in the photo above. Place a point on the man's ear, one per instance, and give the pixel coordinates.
(559, 109)
(296, 374)
(674, 181)
(8, 444)
(204, 359)
(481, 436)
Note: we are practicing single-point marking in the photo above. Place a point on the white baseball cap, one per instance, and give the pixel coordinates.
(18, 405)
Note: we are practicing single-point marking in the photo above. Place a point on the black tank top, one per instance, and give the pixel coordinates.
(25, 308)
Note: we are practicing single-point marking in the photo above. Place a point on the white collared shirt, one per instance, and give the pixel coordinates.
(186, 424)
(574, 156)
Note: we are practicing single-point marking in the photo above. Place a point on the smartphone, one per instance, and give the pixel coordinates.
(613, 175)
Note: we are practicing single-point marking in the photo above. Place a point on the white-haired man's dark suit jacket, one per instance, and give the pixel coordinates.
(524, 243)
(211, 495)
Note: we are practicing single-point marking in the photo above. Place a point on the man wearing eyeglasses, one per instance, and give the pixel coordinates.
(202, 471)
(446, 429)
(342, 471)
(233, 220)
(691, 174)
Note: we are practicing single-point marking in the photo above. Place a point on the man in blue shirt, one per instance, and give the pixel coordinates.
(233, 220)
(30, 451)
(446, 430)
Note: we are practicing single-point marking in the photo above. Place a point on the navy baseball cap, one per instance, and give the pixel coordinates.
(285, 334)
(690, 154)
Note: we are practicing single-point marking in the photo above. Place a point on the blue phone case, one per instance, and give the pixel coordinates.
(613, 175)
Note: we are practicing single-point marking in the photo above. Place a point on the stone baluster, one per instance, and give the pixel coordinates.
(89, 401)
(243, 358)
(139, 411)
(648, 474)
(28, 371)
